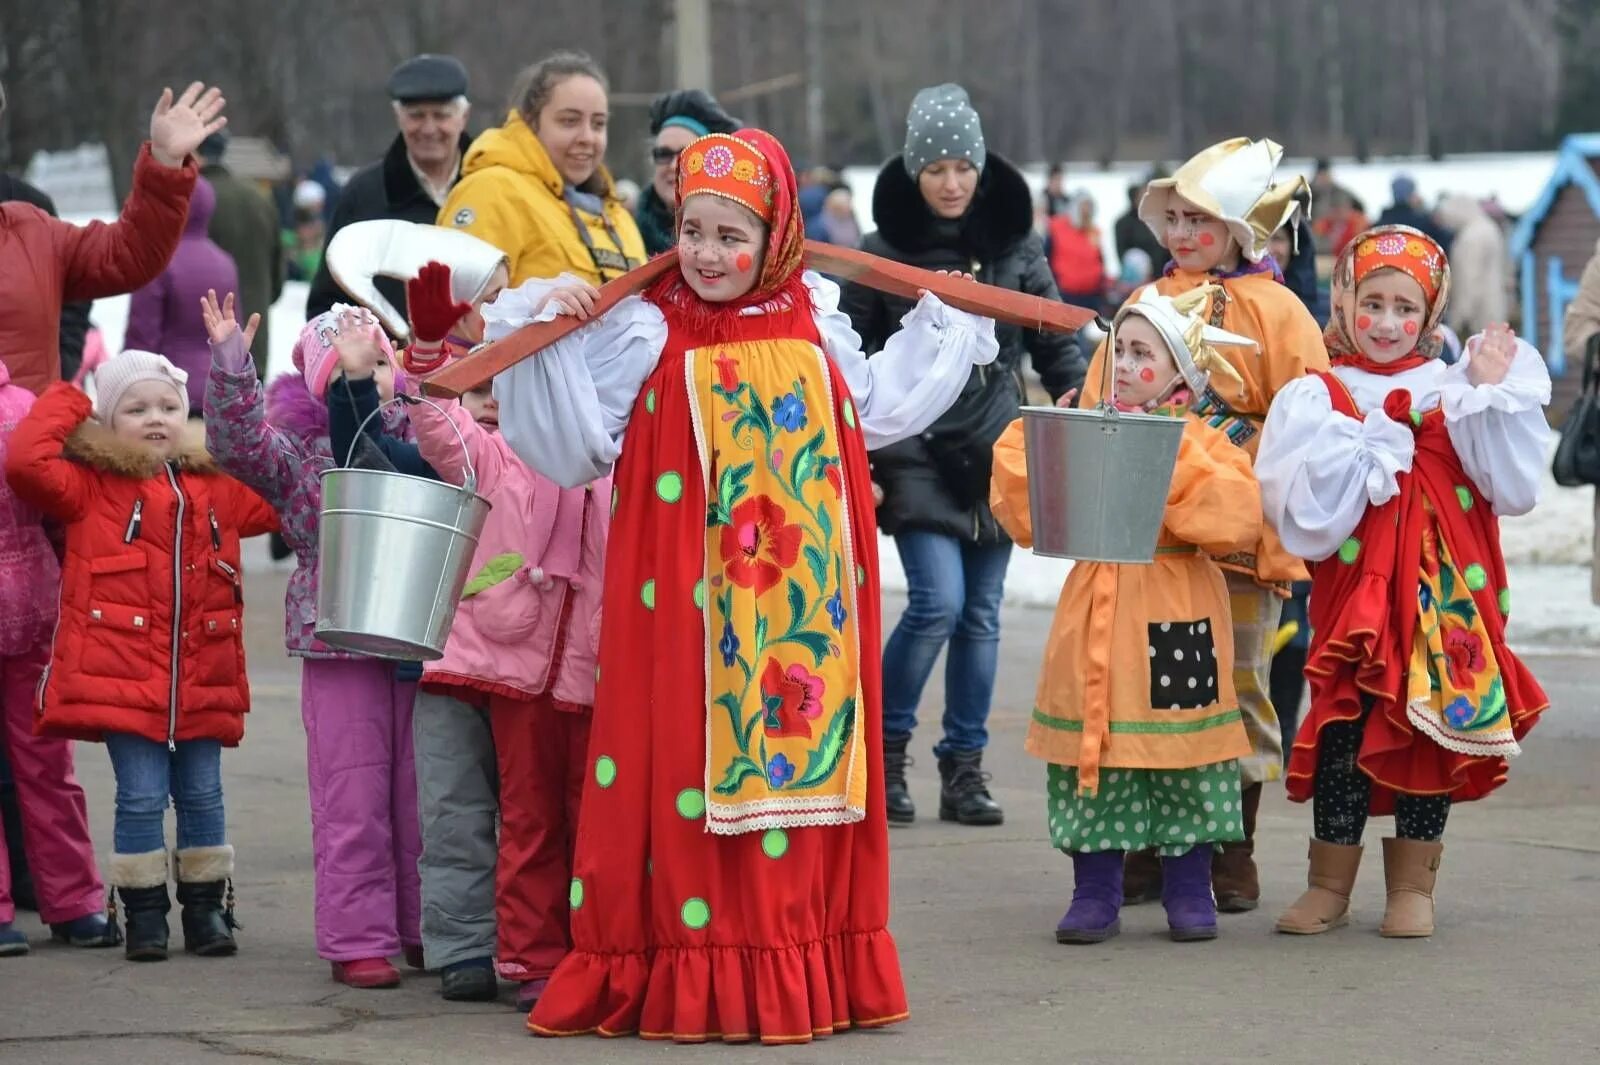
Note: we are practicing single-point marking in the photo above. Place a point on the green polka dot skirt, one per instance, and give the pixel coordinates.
(1169, 809)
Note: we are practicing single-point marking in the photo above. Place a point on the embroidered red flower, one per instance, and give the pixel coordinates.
(835, 478)
(727, 372)
(790, 699)
(1464, 651)
(758, 544)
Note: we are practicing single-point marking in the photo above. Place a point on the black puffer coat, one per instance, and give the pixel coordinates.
(924, 478)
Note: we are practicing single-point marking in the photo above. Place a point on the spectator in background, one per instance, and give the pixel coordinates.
(306, 236)
(416, 174)
(1076, 260)
(164, 315)
(1130, 232)
(815, 185)
(1136, 270)
(676, 118)
(1582, 323)
(838, 223)
(1345, 219)
(1055, 190)
(245, 225)
(1407, 210)
(1479, 296)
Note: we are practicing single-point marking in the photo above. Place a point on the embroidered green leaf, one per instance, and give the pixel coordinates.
(730, 702)
(759, 416)
(824, 525)
(815, 642)
(805, 460)
(818, 564)
(497, 569)
(739, 770)
(761, 634)
(823, 759)
(797, 605)
(731, 487)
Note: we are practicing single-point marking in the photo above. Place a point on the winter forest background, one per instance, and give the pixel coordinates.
(1079, 80)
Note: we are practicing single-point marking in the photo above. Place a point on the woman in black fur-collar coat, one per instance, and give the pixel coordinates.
(948, 204)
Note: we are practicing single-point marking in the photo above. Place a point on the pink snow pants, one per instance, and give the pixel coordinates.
(366, 834)
(55, 819)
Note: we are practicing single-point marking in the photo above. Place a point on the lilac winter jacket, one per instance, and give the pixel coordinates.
(164, 316)
(30, 579)
(536, 576)
(280, 449)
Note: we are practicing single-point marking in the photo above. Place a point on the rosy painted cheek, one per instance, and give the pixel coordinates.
(743, 262)
(1363, 321)
(1411, 329)
(1147, 375)
(1207, 240)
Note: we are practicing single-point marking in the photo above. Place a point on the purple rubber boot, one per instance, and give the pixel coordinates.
(1186, 895)
(1096, 899)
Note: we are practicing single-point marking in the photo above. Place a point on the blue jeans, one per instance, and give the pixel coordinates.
(954, 598)
(148, 775)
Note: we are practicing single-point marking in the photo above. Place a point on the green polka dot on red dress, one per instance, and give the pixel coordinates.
(605, 771)
(669, 487)
(691, 804)
(1477, 577)
(775, 843)
(650, 401)
(575, 894)
(850, 414)
(1504, 602)
(1464, 497)
(647, 594)
(695, 914)
(700, 594)
(1349, 551)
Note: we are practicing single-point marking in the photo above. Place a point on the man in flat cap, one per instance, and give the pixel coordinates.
(415, 174)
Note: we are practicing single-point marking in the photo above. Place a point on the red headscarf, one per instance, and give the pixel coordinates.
(780, 290)
(1401, 248)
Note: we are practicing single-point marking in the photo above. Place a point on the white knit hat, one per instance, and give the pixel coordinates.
(115, 376)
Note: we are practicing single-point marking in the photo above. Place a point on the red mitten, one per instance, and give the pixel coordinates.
(1397, 405)
(432, 307)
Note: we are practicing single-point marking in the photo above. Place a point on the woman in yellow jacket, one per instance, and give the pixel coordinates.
(537, 189)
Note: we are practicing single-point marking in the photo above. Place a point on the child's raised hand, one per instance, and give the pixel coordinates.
(1068, 398)
(220, 320)
(578, 300)
(1490, 355)
(921, 292)
(355, 341)
(432, 306)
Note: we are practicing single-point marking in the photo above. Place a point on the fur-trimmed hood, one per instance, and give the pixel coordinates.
(1001, 213)
(293, 409)
(96, 446)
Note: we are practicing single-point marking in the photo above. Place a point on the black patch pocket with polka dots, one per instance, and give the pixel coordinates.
(1183, 665)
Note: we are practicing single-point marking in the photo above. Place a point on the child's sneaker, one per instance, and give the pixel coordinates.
(472, 980)
(366, 973)
(528, 993)
(12, 942)
(90, 930)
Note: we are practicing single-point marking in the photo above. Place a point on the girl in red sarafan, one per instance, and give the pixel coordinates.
(1391, 471)
(731, 878)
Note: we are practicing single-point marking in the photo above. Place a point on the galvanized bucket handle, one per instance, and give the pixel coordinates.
(471, 482)
(1108, 384)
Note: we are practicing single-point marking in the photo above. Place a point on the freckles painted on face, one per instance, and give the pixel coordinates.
(743, 262)
(1147, 375)
(1363, 321)
(1206, 240)
(1411, 329)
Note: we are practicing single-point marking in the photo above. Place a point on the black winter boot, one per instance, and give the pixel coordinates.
(964, 790)
(896, 797)
(205, 890)
(141, 883)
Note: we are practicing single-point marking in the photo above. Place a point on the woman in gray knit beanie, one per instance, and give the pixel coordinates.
(947, 203)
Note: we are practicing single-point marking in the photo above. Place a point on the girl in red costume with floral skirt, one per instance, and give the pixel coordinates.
(731, 878)
(1391, 471)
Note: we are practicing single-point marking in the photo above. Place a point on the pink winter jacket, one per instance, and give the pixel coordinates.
(30, 579)
(536, 577)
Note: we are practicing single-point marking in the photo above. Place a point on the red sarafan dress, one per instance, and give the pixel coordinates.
(731, 878)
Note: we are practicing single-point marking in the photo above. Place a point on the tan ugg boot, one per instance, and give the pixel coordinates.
(1410, 867)
(1326, 902)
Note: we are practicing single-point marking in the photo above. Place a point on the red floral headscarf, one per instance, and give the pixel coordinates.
(1401, 248)
(780, 287)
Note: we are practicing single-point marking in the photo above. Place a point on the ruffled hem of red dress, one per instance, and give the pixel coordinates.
(776, 995)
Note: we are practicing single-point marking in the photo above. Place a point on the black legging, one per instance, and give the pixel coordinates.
(1343, 794)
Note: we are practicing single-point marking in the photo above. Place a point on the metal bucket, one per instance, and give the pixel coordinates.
(393, 556)
(1098, 481)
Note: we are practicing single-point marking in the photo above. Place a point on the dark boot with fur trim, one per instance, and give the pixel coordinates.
(140, 882)
(205, 890)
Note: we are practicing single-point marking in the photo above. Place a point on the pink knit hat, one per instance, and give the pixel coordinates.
(314, 354)
(115, 376)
